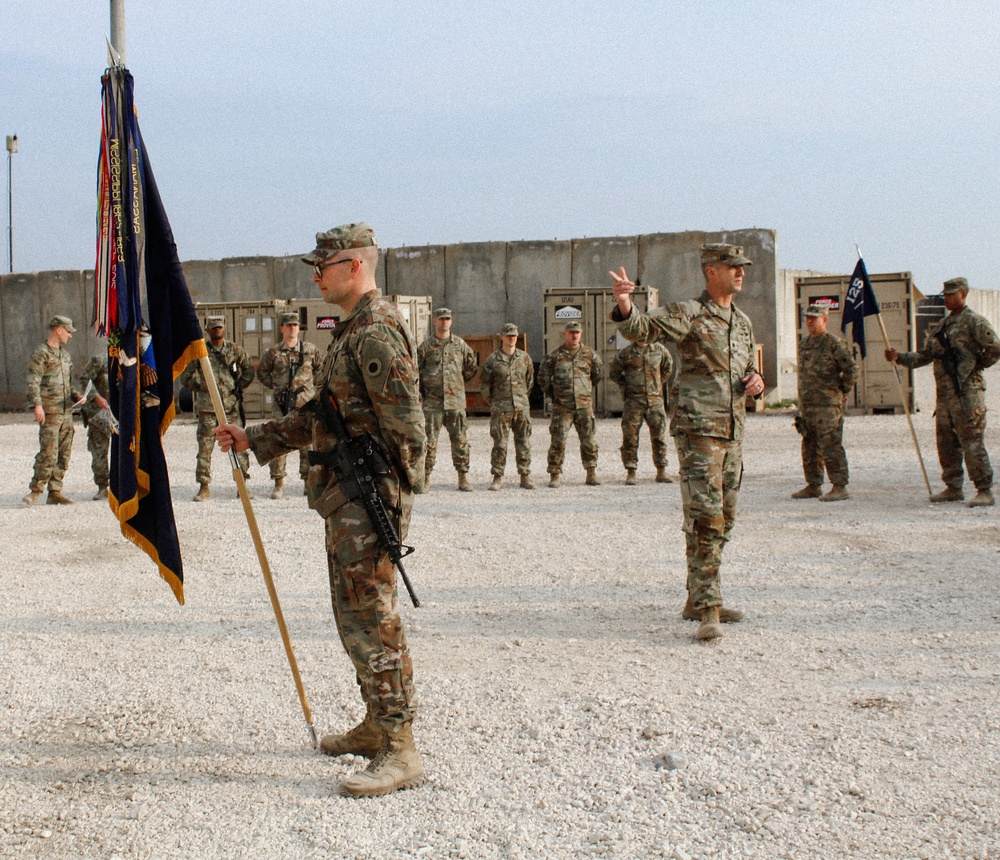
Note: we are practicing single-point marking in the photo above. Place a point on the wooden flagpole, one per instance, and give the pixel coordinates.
(241, 486)
(902, 393)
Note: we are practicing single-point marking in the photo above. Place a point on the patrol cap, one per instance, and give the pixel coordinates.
(215, 322)
(508, 329)
(442, 314)
(360, 235)
(289, 318)
(65, 322)
(730, 255)
(573, 326)
(955, 285)
(817, 311)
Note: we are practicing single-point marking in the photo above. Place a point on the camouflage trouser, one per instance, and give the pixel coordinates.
(960, 435)
(55, 444)
(206, 444)
(454, 422)
(501, 424)
(822, 443)
(711, 470)
(365, 606)
(277, 465)
(99, 443)
(633, 414)
(583, 420)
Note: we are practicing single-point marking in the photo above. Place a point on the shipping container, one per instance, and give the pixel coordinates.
(254, 326)
(878, 386)
(592, 309)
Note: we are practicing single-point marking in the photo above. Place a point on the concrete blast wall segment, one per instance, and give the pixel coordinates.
(486, 284)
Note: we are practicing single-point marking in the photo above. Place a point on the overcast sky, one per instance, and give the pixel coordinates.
(466, 121)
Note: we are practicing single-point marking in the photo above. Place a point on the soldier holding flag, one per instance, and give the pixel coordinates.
(960, 346)
(370, 371)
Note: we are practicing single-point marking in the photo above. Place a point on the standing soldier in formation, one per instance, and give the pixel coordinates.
(642, 370)
(506, 383)
(95, 374)
(568, 376)
(233, 372)
(961, 346)
(51, 395)
(827, 373)
(371, 372)
(289, 368)
(717, 370)
(446, 363)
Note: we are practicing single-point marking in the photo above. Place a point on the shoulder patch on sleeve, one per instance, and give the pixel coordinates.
(377, 355)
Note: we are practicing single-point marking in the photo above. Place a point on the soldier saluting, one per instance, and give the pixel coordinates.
(961, 346)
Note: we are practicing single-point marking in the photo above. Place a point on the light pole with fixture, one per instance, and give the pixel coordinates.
(11, 149)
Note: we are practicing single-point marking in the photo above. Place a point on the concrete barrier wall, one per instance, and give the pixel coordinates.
(486, 284)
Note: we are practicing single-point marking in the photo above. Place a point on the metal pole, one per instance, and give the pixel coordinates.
(11, 149)
(118, 28)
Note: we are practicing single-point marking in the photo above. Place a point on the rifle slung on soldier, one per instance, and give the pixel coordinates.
(357, 462)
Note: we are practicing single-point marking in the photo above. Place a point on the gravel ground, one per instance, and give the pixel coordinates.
(565, 709)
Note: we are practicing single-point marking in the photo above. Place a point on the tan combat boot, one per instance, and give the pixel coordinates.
(982, 499)
(203, 494)
(630, 477)
(365, 739)
(55, 497)
(497, 482)
(427, 481)
(279, 489)
(527, 483)
(838, 492)
(396, 766)
(592, 478)
(662, 477)
(102, 493)
(726, 616)
(948, 494)
(554, 480)
(32, 498)
(710, 627)
(463, 482)
(809, 491)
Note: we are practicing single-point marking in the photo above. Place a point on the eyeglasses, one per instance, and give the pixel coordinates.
(319, 269)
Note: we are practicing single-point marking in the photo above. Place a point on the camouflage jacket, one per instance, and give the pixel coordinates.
(96, 371)
(568, 377)
(642, 371)
(227, 356)
(506, 381)
(445, 367)
(827, 370)
(716, 351)
(975, 348)
(371, 369)
(50, 380)
(291, 372)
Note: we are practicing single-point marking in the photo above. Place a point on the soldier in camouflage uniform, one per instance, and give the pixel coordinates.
(827, 373)
(715, 346)
(446, 363)
(641, 370)
(505, 383)
(51, 395)
(371, 370)
(232, 368)
(95, 374)
(961, 346)
(289, 368)
(568, 376)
